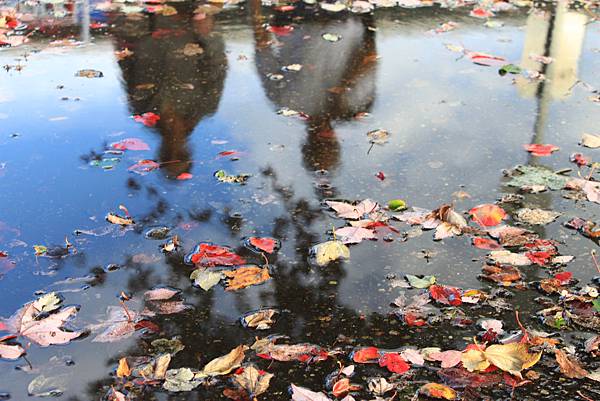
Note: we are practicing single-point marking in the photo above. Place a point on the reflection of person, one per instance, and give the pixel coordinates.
(337, 80)
(177, 70)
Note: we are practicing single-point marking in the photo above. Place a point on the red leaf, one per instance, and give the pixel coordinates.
(580, 159)
(366, 355)
(184, 176)
(206, 255)
(563, 277)
(229, 153)
(264, 244)
(445, 295)
(341, 387)
(380, 175)
(285, 8)
(485, 59)
(3, 254)
(394, 363)
(481, 13)
(412, 320)
(149, 119)
(537, 149)
(539, 257)
(486, 243)
(148, 325)
(488, 215)
(143, 167)
(283, 30)
(131, 144)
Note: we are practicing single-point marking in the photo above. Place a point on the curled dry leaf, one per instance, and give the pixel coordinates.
(253, 381)
(259, 320)
(436, 390)
(224, 364)
(590, 140)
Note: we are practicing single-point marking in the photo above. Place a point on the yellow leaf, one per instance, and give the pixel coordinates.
(512, 358)
(436, 390)
(474, 360)
(226, 363)
(123, 370)
(246, 276)
(330, 251)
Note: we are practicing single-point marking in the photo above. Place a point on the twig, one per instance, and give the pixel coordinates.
(593, 253)
(583, 396)
(523, 329)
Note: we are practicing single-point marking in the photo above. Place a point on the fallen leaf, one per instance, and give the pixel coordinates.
(253, 381)
(503, 274)
(394, 363)
(420, 282)
(161, 294)
(184, 177)
(206, 279)
(449, 359)
(354, 235)
(590, 140)
(130, 144)
(445, 294)
(304, 394)
(330, 251)
(486, 243)
(261, 319)
(511, 358)
(89, 73)
(123, 369)
(149, 119)
(222, 176)
(569, 366)
(183, 379)
(436, 390)
(143, 167)
(263, 244)
(541, 150)
(209, 255)
(488, 215)
(362, 210)
(246, 276)
(192, 49)
(10, 350)
(224, 364)
(509, 258)
(536, 216)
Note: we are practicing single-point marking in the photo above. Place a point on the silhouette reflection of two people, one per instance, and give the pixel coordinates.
(337, 80)
(177, 70)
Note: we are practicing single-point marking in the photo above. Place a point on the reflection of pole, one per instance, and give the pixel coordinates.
(85, 21)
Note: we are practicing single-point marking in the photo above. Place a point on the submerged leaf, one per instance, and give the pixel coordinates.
(330, 251)
(246, 276)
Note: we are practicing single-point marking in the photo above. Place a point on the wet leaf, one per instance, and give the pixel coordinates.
(354, 235)
(246, 276)
(420, 282)
(486, 243)
(445, 294)
(144, 166)
(206, 279)
(41, 327)
(263, 244)
(123, 369)
(569, 366)
(378, 136)
(512, 358)
(209, 255)
(130, 144)
(394, 363)
(259, 320)
(182, 379)
(396, 205)
(149, 119)
(9, 350)
(541, 150)
(88, 73)
(366, 355)
(40, 250)
(449, 359)
(362, 210)
(161, 294)
(536, 175)
(331, 37)
(488, 215)
(224, 364)
(590, 140)
(48, 302)
(380, 386)
(510, 258)
(330, 251)
(510, 69)
(537, 216)
(304, 394)
(474, 360)
(192, 49)
(436, 390)
(253, 381)
(222, 176)
(118, 325)
(48, 386)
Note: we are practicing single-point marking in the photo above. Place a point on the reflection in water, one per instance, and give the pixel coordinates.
(336, 82)
(177, 70)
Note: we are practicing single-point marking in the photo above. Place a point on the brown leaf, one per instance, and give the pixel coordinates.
(123, 370)
(569, 366)
(246, 276)
(254, 381)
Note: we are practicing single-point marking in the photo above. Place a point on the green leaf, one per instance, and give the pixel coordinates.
(596, 304)
(396, 205)
(206, 279)
(510, 69)
(417, 282)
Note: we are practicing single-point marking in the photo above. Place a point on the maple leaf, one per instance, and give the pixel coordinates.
(362, 210)
(537, 149)
(354, 235)
(488, 215)
(149, 119)
(130, 144)
(43, 328)
(208, 255)
(263, 244)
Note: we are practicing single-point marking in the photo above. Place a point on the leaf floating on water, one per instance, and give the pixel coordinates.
(10, 350)
(262, 244)
(261, 319)
(331, 37)
(209, 255)
(48, 386)
(510, 69)
(590, 141)
(149, 119)
(354, 235)
(40, 250)
(170, 246)
(246, 276)
(144, 166)
(535, 175)
(420, 282)
(130, 144)
(158, 233)
(222, 176)
(346, 210)
(48, 302)
(206, 279)
(394, 363)
(487, 215)
(88, 73)
(509, 258)
(224, 364)
(333, 7)
(396, 205)
(183, 379)
(445, 294)
(253, 381)
(330, 251)
(537, 149)
(161, 294)
(378, 136)
(537, 216)
(114, 218)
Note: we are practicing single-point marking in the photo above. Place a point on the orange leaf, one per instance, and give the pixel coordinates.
(436, 390)
(488, 215)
